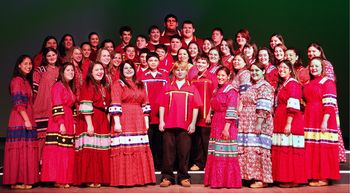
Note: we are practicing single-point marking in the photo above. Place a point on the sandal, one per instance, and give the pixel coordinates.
(258, 184)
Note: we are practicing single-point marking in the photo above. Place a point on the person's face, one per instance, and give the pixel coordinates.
(206, 46)
(256, 73)
(216, 36)
(279, 53)
(154, 35)
(171, 24)
(98, 72)
(291, 56)
(130, 53)
(77, 56)
(94, 40)
(141, 42)
(143, 60)
(183, 56)
(51, 43)
(68, 73)
(284, 71)
(68, 42)
(153, 63)
(193, 49)
(238, 62)
(128, 71)
(241, 41)
(214, 56)
(187, 30)
(248, 52)
(25, 66)
(105, 57)
(180, 73)
(222, 77)
(161, 53)
(86, 48)
(51, 58)
(316, 68)
(274, 41)
(224, 48)
(117, 59)
(202, 65)
(263, 57)
(109, 46)
(175, 44)
(126, 37)
(313, 52)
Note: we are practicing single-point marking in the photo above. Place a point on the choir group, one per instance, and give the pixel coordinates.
(110, 115)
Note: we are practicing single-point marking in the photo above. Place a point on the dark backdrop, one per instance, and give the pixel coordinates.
(24, 25)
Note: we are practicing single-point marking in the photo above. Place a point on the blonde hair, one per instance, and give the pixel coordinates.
(182, 65)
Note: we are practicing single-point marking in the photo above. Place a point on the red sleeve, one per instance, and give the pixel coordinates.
(274, 78)
(86, 99)
(19, 96)
(161, 99)
(146, 107)
(197, 98)
(329, 98)
(36, 81)
(57, 99)
(294, 97)
(116, 92)
(231, 101)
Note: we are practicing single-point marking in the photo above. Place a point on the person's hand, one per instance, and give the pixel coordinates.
(62, 129)
(287, 129)
(117, 128)
(258, 129)
(208, 119)
(324, 126)
(28, 125)
(90, 130)
(191, 128)
(225, 135)
(161, 126)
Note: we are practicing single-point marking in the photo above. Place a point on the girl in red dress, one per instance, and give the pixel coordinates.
(21, 159)
(66, 43)
(131, 156)
(288, 152)
(271, 73)
(92, 140)
(321, 130)
(222, 169)
(301, 73)
(49, 42)
(226, 51)
(242, 38)
(58, 152)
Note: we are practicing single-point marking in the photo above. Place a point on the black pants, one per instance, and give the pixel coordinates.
(156, 144)
(176, 143)
(200, 142)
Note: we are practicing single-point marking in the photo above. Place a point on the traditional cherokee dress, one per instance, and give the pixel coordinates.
(222, 168)
(288, 152)
(21, 159)
(58, 152)
(271, 75)
(43, 79)
(241, 81)
(92, 153)
(302, 75)
(254, 150)
(322, 155)
(131, 156)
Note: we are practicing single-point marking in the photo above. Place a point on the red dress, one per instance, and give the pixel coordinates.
(21, 159)
(222, 168)
(288, 152)
(271, 75)
(322, 157)
(43, 79)
(131, 156)
(58, 152)
(92, 153)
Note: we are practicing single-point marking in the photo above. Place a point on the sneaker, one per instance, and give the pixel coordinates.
(185, 183)
(194, 168)
(165, 183)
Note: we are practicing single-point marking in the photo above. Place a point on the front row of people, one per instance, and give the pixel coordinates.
(108, 144)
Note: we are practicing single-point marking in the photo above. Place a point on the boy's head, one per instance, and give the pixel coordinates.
(142, 56)
(152, 61)
(202, 62)
(161, 50)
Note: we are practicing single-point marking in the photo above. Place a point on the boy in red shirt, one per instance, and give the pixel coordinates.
(179, 103)
(165, 59)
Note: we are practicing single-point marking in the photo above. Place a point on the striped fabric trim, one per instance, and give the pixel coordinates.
(155, 80)
(228, 88)
(254, 140)
(86, 107)
(59, 140)
(97, 141)
(35, 87)
(146, 108)
(231, 113)
(316, 136)
(264, 104)
(243, 87)
(19, 99)
(280, 139)
(41, 124)
(57, 110)
(75, 112)
(20, 133)
(115, 109)
(222, 148)
(129, 140)
(329, 100)
(293, 103)
(323, 80)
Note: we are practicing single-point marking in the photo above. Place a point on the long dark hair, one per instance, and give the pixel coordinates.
(47, 38)
(90, 79)
(61, 78)
(319, 48)
(61, 46)
(47, 50)
(122, 77)
(261, 66)
(17, 72)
